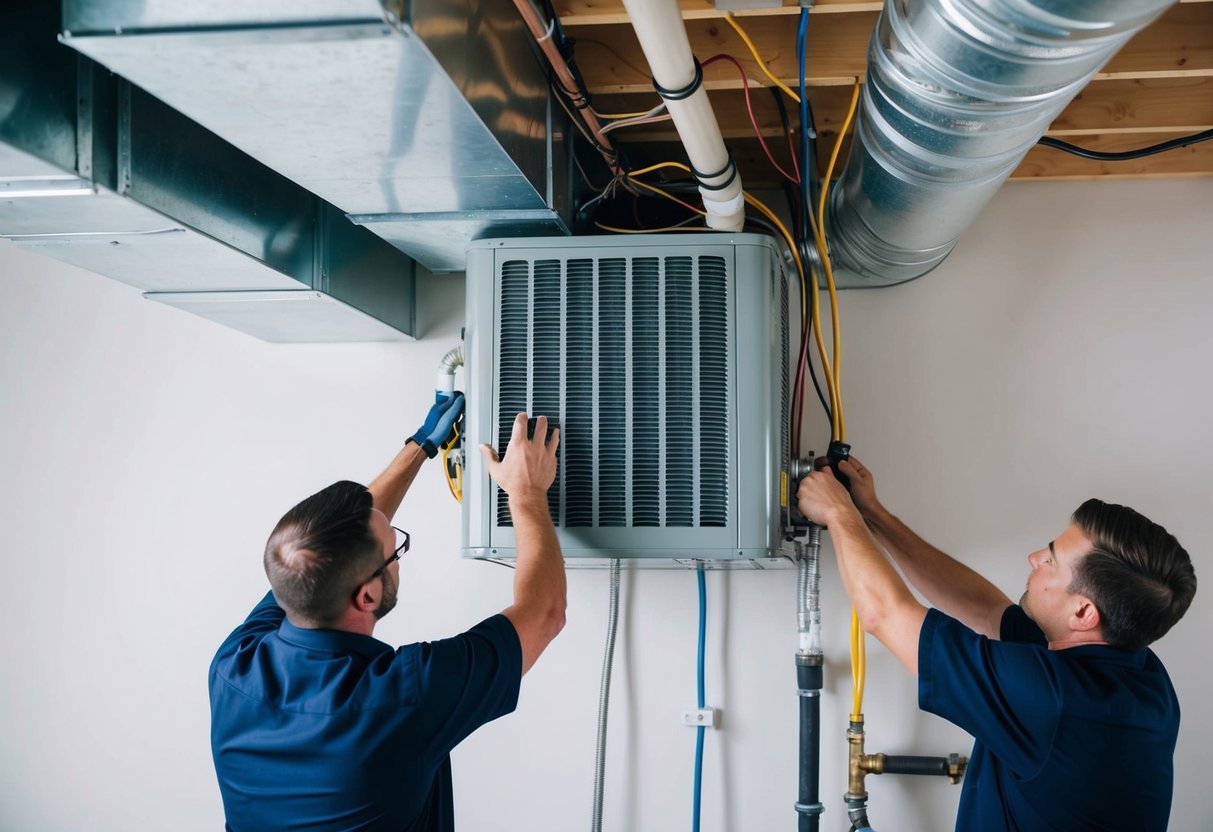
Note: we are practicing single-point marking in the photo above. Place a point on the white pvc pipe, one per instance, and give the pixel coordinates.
(663, 39)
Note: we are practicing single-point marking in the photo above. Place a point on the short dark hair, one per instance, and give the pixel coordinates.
(320, 550)
(1138, 576)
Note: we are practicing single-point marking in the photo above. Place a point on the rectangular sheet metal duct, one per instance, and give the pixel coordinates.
(97, 173)
(430, 131)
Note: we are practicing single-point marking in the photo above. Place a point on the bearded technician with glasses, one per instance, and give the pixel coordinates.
(317, 725)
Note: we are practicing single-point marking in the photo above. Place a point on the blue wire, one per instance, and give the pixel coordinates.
(703, 615)
(801, 36)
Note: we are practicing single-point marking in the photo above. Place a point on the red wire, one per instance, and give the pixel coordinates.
(745, 88)
(799, 388)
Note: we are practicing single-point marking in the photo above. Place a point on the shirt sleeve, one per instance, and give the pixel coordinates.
(1003, 693)
(467, 681)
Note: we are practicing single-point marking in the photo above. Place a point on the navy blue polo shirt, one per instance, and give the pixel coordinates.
(1067, 740)
(330, 730)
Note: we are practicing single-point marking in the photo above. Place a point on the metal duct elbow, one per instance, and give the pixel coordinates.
(957, 93)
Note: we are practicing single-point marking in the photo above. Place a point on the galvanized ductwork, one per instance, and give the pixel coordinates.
(427, 122)
(957, 93)
(97, 173)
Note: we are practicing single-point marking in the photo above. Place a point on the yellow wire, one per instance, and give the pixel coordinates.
(838, 424)
(456, 485)
(859, 661)
(770, 215)
(446, 472)
(667, 230)
(659, 166)
(812, 295)
(754, 51)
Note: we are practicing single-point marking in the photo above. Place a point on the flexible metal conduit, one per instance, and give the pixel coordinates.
(604, 698)
(678, 79)
(957, 93)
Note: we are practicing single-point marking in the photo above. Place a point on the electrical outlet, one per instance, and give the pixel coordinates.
(700, 718)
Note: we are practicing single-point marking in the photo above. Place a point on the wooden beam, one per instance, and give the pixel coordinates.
(1148, 105)
(1143, 107)
(1160, 85)
(606, 12)
(602, 12)
(1179, 44)
(611, 61)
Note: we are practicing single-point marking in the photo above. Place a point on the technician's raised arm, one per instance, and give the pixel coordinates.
(885, 606)
(526, 473)
(389, 488)
(947, 584)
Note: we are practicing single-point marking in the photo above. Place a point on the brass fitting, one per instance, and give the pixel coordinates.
(855, 758)
(872, 763)
(956, 767)
(860, 765)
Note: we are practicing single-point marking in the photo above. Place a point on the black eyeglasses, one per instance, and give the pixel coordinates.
(402, 546)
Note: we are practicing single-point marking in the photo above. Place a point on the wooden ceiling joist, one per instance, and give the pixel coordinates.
(1159, 86)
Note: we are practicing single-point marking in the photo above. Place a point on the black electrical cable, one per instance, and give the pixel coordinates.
(783, 111)
(1124, 156)
(613, 156)
(565, 46)
(791, 194)
(809, 353)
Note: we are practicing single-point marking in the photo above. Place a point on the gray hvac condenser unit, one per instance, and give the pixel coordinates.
(664, 360)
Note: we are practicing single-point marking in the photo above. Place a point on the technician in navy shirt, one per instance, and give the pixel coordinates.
(317, 725)
(1075, 720)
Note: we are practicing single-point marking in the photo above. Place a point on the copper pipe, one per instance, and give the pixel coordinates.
(568, 83)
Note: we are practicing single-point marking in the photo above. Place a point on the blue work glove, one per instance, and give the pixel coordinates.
(439, 423)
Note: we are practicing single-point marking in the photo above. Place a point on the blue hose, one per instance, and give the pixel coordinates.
(801, 36)
(703, 614)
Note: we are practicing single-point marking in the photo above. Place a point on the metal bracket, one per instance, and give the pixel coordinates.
(700, 718)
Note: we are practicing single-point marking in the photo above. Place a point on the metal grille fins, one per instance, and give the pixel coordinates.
(630, 357)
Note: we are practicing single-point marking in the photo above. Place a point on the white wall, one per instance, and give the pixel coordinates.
(1063, 351)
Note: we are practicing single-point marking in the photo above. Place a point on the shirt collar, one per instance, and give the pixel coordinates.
(332, 641)
(1105, 652)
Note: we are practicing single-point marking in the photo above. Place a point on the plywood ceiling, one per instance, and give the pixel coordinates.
(1158, 87)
